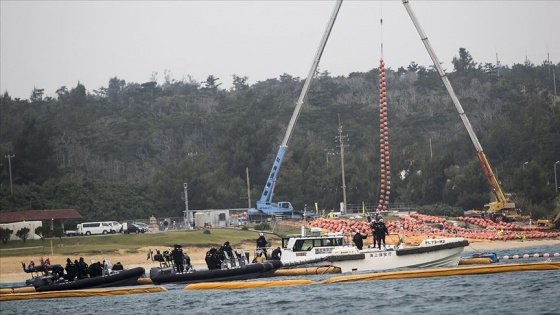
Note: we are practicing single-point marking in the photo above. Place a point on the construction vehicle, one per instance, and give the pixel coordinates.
(265, 204)
(501, 209)
(551, 224)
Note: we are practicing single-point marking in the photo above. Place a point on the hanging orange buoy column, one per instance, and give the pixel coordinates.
(385, 172)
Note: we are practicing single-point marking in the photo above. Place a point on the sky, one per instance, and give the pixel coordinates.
(50, 44)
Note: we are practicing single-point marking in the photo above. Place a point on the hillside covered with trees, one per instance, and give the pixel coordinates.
(124, 151)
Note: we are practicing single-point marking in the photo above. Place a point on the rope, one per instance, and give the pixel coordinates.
(381, 27)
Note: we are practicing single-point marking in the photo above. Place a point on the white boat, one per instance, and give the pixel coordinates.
(333, 250)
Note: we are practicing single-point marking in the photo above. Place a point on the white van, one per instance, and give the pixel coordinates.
(90, 228)
(116, 227)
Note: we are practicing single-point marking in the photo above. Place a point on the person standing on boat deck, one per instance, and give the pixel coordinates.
(82, 268)
(261, 243)
(380, 232)
(71, 270)
(359, 239)
(374, 226)
(177, 254)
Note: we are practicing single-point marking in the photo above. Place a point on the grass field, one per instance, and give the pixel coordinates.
(133, 242)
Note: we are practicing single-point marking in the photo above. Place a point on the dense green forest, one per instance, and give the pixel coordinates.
(124, 151)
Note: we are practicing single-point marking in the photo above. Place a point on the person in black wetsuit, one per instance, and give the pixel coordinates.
(261, 243)
(212, 259)
(82, 268)
(277, 254)
(177, 254)
(358, 239)
(380, 232)
(95, 269)
(117, 266)
(375, 226)
(226, 248)
(71, 270)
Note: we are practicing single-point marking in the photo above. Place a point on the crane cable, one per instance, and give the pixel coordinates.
(385, 172)
(381, 26)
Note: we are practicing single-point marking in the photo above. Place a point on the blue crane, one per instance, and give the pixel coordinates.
(265, 204)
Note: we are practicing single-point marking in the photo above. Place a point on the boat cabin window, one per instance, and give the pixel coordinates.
(308, 244)
(304, 245)
(332, 242)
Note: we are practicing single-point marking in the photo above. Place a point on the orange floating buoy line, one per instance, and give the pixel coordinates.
(535, 255)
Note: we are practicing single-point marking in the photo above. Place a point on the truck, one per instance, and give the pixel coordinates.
(501, 209)
(72, 232)
(265, 205)
(551, 224)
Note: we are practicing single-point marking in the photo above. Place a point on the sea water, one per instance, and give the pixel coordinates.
(533, 292)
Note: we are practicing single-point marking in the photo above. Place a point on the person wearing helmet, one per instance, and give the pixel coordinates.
(358, 239)
(380, 230)
(373, 225)
(226, 249)
(177, 254)
(261, 244)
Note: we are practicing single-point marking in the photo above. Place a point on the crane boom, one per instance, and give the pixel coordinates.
(501, 200)
(443, 76)
(311, 74)
(265, 204)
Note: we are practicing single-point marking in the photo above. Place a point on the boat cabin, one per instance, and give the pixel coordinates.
(298, 244)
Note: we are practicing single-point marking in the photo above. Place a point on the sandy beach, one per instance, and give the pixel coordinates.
(11, 269)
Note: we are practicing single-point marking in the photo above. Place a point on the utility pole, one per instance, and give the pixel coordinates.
(248, 187)
(497, 65)
(431, 151)
(187, 214)
(341, 140)
(9, 157)
(555, 178)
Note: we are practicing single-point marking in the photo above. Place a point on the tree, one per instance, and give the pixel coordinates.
(116, 86)
(23, 233)
(78, 95)
(40, 230)
(464, 63)
(240, 83)
(58, 232)
(36, 160)
(5, 234)
(212, 82)
(62, 93)
(413, 67)
(37, 94)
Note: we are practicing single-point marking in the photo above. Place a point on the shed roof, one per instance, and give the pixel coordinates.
(39, 215)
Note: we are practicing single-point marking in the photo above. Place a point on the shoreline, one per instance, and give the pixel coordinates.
(483, 245)
(11, 270)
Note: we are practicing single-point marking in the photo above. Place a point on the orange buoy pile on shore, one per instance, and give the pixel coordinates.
(417, 224)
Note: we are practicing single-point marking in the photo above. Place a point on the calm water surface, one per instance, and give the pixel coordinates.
(536, 292)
